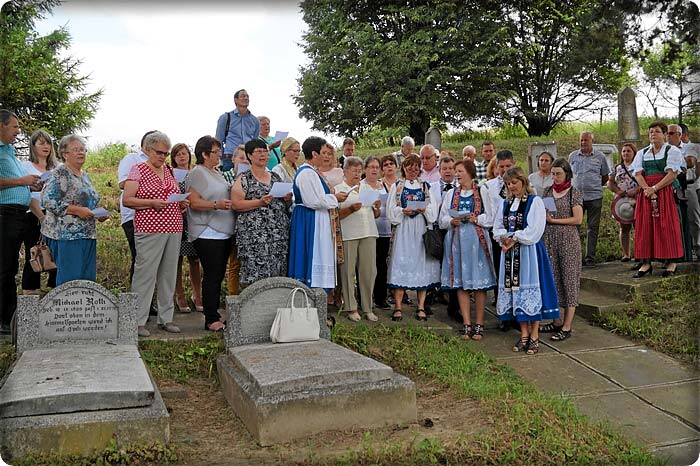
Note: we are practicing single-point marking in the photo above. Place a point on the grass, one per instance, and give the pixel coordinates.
(182, 360)
(666, 320)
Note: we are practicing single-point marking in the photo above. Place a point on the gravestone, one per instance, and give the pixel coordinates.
(289, 390)
(79, 380)
(434, 137)
(534, 150)
(627, 121)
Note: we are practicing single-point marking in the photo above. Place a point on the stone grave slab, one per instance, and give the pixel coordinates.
(637, 366)
(680, 399)
(290, 390)
(68, 379)
(640, 421)
(681, 454)
(78, 382)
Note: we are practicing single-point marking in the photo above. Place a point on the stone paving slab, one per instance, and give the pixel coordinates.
(587, 337)
(68, 379)
(680, 399)
(637, 366)
(635, 418)
(680, 454)
(560, 375)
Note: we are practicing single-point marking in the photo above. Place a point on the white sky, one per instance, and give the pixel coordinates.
(174, 66)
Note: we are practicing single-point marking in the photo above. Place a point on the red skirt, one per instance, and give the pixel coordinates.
(657, 237)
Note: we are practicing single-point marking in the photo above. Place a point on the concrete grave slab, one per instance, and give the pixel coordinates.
(68, 379)
(680, 399)
(637, 366)
(681, 454)
(635, 418)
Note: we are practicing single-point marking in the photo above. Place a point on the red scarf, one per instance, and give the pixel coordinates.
(561, 187)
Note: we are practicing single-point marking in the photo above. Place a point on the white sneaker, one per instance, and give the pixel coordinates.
(371, 316)
(143, 332)
(354, 316)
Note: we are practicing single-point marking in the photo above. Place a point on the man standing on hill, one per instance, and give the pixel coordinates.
(469, 153)
(236, 127)
(15, 199)
(590, 175)
(348, 151)
(488, 150)
(407, 146)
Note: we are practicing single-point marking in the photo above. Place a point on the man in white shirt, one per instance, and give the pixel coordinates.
(691, 152)
(430, 171)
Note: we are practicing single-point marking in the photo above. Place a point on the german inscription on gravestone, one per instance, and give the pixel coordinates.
(79, 314)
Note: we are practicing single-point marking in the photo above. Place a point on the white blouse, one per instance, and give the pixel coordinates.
(395, 213)
(358, 224)
(483, 220)
(673, 162)
(536, 222)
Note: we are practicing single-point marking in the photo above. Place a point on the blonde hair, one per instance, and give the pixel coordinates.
(491, 169)
(518, 174)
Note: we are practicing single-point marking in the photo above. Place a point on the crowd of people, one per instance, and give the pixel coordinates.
(358, 229)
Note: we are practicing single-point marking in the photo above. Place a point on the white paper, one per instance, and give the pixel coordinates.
(280, 189)
(180, 174)
(279, 135)
(36, 195)
(45, 176)
(459, 213)
(549, 204)
(242, 168)
(415, 205)
(101, 212)
(177, 197)
(368, 197)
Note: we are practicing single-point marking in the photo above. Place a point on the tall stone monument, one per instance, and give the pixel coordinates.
(434, 137)
(627, 121)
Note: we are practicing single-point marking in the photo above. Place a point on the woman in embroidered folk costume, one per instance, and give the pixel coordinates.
(411, 267)
(656, 218)
(467, 265)
(526, 290)
(312, 248)
(623, 183)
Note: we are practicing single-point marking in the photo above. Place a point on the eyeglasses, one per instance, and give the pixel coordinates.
(671, 133)
(428, 157)
(260, 151)
(160, 152)
(215, 151)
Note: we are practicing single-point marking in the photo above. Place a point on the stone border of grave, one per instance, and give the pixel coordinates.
(27, 322)
(238, 329)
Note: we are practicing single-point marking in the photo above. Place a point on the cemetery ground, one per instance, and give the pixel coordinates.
(472, 408)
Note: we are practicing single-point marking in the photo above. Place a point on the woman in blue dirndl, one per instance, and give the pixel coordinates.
(526, 289)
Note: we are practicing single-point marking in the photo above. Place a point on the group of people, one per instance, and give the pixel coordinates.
(357, 230)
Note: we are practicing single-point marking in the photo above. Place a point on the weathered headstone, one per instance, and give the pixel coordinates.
(434, 137)
(627, 121)
(534, 150)
(79, 380)
(291, 390)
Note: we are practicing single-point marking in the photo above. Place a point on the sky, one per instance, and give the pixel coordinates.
(175, 66)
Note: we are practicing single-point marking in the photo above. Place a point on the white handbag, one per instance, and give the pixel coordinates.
(295, 323)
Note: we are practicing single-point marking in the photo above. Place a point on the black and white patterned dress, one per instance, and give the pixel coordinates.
(186, 248)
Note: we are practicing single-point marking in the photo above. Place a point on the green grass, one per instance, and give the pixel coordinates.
(666, 320)
(183, 359)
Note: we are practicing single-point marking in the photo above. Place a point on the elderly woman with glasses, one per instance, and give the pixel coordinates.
(157, 231)
(69, 199)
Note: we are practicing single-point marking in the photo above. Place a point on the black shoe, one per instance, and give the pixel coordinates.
(428, 310)
(668, 273)
(5, 329)
(640, 274)
(625, 259)
(395, 317)
(503, 326)
(589, 262)
(382, 305)
(154, 310)
(636, 266)
(407, 300)
(423, 318)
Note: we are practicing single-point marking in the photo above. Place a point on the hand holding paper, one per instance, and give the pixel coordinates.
(101, 212)
(368, 197)
(549, 204)
(280, 189)
(415, 205)
(177, 197)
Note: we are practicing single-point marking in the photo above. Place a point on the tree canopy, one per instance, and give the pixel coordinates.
(42, 86)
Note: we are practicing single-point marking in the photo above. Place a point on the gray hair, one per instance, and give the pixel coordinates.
(155, 138)
(469, 149)
(371, 158)
(352, 161)
(675, 127)
(65, 140)
(5, 116)
(428, 147)
(446, 159)
(408, 141)
(51, 161)
(587, 133)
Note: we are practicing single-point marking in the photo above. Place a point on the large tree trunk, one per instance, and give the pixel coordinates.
(538, 124)
(420, 124)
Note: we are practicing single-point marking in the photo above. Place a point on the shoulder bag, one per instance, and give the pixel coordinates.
(40, 257)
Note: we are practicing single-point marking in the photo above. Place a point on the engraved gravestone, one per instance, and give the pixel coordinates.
(78, 313)
(434, 138)
(627, 122)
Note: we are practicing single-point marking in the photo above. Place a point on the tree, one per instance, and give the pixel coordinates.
(399, 63)
(45, 89)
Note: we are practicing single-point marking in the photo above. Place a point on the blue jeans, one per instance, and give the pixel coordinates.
(75, 259)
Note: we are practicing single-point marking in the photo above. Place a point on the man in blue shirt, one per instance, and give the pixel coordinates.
(242, 127)
(15, 200)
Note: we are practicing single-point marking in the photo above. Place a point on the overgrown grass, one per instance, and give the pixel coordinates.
(7, 357)
(666, 320)
(182, 360)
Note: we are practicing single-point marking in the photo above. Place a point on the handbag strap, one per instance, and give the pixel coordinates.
(293, 294)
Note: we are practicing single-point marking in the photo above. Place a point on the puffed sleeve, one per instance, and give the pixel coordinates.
(444, 217)
(486, 218)
(675, 160)
(312, 192)
(498, 229)
(431, 210)
(636, 165)
(394, 212)
(536, 221)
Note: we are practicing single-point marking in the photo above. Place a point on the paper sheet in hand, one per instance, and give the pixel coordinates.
(180, 174)
(458, 213)
(177, 197)
(101, 212)
(36, 195)
(242, 168)
(280, 189)
(279, 135)
(549, 204)
(368, 197)
(415, 205)
(45, 176)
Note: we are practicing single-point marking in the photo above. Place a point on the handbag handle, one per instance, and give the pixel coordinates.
(293, 294)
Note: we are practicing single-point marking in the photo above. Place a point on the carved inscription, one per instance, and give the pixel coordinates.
(78, 314)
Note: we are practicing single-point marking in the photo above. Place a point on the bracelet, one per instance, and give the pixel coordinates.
(214, 205)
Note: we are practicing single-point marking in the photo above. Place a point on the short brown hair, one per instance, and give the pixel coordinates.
(469, 167)
(412, 159)
(659, 124)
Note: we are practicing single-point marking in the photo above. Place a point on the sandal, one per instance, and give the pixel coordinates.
(196, 308)
(533, 347)
(216, 326)
(561, 335)
(396, 316)
(478, 332)
(550, 328)
(424, 317)
(521, 344)
(467, 331)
